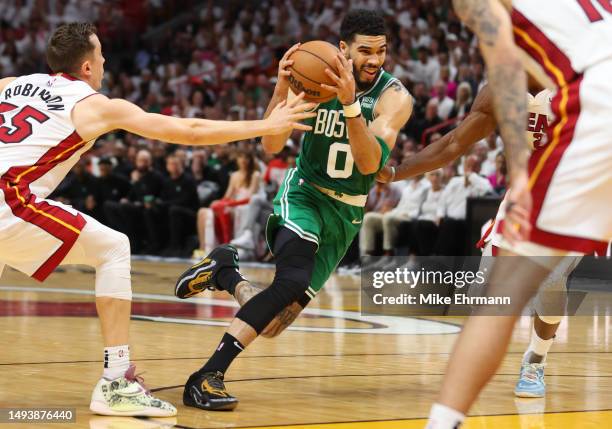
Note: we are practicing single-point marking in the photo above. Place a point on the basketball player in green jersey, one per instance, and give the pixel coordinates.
(319, 207)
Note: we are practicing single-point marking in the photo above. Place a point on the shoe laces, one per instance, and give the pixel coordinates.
(215, 380)
(531, 371)
(130, 375)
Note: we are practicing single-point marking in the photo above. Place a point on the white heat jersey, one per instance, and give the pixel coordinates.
(539, 117)
(581, 29)
(38, 142)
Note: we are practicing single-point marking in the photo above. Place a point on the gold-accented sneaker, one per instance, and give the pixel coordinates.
(202, 275)
(207, 392)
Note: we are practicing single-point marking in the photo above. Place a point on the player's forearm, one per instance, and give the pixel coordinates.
(476, 126)
(206, 132)
(436, 155)
(274, 144)
(364, 146)
(509, 87)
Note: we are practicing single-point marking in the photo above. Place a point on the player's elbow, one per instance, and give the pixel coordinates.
(366, 167)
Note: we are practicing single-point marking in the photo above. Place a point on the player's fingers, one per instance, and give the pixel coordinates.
(303, 107)
(340, 67)
(286, 63)
(333, 75)
(299, 126)
(285, 73)
(279, 105)
(333, 89)
(290, 51)
(296, 100)
(302, 115)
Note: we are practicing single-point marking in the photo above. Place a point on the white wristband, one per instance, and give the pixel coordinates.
(352, 110)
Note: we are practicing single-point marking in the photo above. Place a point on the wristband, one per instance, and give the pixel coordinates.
(392, 174)
(352, 110)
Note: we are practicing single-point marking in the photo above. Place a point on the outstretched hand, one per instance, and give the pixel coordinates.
(286, 116)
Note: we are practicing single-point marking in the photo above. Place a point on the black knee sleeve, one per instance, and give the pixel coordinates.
(294, 264)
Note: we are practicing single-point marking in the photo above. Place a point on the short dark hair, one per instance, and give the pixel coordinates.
(362, 21)
(69, 45)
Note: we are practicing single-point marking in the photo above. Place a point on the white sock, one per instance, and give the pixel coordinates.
(443, 417)
(116, 361)
(537, 346)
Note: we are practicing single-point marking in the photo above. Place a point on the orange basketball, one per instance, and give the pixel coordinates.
(308, 70)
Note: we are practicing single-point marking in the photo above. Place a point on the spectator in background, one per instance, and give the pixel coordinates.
(382, 198)
(464, 101)
(490, 153)
(123, 165)
(424, 69)
(113, 186)
(260, 206)
(419, 93)
(427, 224)
(498, 179)
(445, 76)
(127, 215)
(389, 223)
(165, 215)
(431, 117)
(449, 171)
(453, 207)
(226, 213)
(80, 189)
(445, 103)
(487, 161)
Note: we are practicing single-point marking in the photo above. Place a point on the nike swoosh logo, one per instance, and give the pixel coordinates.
(238, 345)
(355, 222)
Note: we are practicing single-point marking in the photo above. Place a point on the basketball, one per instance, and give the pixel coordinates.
(308, 70)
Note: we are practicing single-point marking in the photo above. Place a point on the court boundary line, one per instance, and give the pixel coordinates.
(305, 425)
(391, 325)
(285, 356)
(297, 377)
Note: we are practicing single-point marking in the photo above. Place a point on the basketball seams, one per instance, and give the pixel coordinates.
(333, 68)
(313, 81)
(304, 76)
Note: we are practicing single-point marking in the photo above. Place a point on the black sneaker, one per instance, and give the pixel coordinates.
(207, 392)
(202, 275)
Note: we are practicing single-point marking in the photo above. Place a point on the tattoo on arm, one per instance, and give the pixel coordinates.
(511, 109)
(478, 16)
(398, 87)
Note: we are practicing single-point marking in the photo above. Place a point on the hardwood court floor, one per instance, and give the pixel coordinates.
(333, 370)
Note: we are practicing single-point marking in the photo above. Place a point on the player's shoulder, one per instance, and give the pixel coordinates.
(4, 82)
(395, 91)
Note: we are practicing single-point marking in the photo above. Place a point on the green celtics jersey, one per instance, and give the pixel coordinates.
(325, 158)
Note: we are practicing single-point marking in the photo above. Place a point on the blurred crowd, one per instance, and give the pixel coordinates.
(218, 60)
